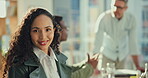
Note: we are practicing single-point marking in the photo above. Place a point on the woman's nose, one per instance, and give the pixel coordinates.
(42, 35)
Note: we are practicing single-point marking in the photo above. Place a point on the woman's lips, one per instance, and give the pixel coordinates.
(43, 42)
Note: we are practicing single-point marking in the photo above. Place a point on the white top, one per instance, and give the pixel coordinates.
(116, 38)
(48, 62)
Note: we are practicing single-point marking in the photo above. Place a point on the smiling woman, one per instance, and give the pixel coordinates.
(34, 50)
(30, 54)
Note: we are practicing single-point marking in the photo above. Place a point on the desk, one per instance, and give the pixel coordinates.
(122, 73)
(126, 73)
(126, 76)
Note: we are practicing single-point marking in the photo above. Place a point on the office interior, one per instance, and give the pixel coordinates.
(80, 17)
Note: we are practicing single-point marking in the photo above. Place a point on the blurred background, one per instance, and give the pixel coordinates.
(79, 16)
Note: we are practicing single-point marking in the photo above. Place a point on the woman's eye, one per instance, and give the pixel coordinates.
(35, 31)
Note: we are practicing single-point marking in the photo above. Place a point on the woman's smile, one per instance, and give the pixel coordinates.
(43, 43)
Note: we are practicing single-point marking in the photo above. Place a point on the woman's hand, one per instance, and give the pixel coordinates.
(93, 60)
(141, 69)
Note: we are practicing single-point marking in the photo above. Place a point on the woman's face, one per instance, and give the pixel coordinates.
(42, 32)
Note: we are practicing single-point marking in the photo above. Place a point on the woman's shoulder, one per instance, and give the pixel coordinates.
(31, 60)
(20, 70)
(27, 66)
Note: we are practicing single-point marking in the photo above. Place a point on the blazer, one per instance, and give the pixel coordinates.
(32, 67)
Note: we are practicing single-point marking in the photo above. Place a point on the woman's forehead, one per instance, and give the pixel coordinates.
(42, 20)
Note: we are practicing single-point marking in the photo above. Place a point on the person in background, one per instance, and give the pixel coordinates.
(82, 70)
(63, 32)
(116, 36)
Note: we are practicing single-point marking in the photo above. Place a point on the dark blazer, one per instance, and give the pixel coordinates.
(32, 67)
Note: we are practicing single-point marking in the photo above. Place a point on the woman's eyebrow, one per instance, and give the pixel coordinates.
(39, 28)
(34, 28)
(48, 26)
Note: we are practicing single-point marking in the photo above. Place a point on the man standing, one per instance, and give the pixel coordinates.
(116, 36)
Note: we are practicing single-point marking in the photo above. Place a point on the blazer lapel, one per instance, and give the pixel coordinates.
(39, 71)
(63, 70)
(61, 58)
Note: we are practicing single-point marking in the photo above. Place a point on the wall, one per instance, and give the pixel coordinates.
(24, 5)
(2, 26)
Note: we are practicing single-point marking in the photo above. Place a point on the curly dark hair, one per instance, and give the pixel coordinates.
(21, 45)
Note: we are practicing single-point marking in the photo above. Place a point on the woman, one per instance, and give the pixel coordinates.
(29, 47)
(30, 54)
